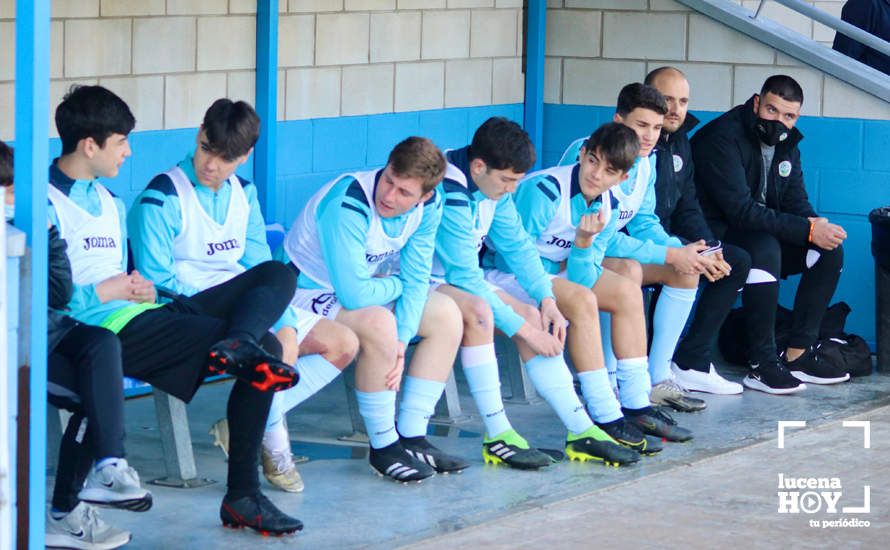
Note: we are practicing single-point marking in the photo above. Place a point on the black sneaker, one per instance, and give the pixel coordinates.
(809, 367)
(511, 449)
(394, 462)
(246, 360)
(628, 435)
(595, 444)
(655, 421)
(772, 377)
(258, 513)
(424, 451)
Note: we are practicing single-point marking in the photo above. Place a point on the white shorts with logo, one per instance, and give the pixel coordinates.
(306, 321)
(509, 284)
(436, 282)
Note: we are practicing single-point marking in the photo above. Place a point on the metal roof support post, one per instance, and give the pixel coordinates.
(31, 160)
(535, 31)
(265, 152)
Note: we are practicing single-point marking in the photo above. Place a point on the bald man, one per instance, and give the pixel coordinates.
(680, 214)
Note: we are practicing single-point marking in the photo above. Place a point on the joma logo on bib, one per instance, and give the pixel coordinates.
(98, 242)
(562, 243)
(375, 258)
(213, 248)
(626, 214)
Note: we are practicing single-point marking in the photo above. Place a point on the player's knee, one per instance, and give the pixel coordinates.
(477, 315)
(766, 255)
(378, 333)
(338, 343)
(629, 296)
(580, 305)
(630, 269)
(445, 318)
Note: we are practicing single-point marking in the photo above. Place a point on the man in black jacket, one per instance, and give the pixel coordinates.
(872, 16)
(750, 184)
(680, 214)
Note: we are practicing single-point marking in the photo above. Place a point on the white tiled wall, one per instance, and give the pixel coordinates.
(594, 47)
(170, 58)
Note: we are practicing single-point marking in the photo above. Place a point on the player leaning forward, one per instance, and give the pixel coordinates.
(363, 246)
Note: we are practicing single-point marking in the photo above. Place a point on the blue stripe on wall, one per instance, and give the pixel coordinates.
(846, 170)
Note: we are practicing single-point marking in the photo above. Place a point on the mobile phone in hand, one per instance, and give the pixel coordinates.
(714, 246)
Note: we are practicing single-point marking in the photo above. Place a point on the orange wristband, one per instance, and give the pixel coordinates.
(810, 236)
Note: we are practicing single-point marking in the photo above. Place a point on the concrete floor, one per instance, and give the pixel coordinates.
(719, 487)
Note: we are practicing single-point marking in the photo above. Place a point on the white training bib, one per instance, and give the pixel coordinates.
(205, 252)
(95, 249)
(483, 215)
(629, 200)
(382, 252)
(556, 240)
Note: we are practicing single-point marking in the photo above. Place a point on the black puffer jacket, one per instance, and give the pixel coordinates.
(728, 166)
(60, 290)
(676, 204)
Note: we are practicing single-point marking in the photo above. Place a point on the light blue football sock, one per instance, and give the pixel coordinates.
(417, 405)
(553, 381)
(671, 312)
(315, 372)
(633, 383)
(378, 411)
(480, 365)
(597, 391)
(608, 353)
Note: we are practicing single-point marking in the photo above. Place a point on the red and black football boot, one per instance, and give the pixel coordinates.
(246, 360)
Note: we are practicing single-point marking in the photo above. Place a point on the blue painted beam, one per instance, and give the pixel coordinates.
(265, 158)
(31, 161)
(535, 32)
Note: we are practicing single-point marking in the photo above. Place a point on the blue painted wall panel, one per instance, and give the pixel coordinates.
(876, 145)
(385, 131)
(831, 142)
(294, 147)
(339, 143)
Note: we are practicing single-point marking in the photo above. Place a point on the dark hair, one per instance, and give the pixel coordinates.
(783, 86)
(617, 143)
(232, 128)
(418, 157)
(91, 112)
(640, 96)
(502, 144)
(6, 165)
(655, 73)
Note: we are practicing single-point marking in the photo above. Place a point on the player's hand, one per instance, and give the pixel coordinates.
(394, 376)
(118, 287)
(142, 290)
(552, 320)
(716, 269)
(826, 235)
(541, 342)
(687, 260)
(590, 225)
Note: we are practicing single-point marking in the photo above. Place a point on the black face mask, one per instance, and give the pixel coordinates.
(771, 132)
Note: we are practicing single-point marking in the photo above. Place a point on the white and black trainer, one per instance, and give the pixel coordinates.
(424, 451)
(116, 485)
(810, 367)
(83, 528)
(394, 462)
(772, 377)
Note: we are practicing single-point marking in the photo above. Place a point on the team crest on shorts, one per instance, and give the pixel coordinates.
(678, 163)
(785, 168)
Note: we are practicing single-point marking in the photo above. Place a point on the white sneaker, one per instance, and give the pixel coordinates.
(709, 382)
(83, 528)
(116, 485)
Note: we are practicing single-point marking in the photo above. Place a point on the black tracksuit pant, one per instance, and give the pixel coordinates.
(770, 261)
(167, 347)
(695, 349)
